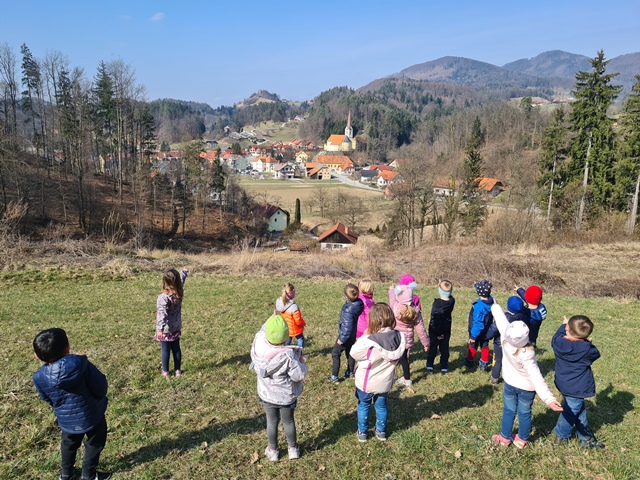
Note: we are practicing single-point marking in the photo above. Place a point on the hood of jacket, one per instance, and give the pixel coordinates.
(67, 372)
(283, 307)
(390, 343)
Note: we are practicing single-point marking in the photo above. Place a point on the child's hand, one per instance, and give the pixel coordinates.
(338, 342)
(565, 320)
(426, 349)
(556, 406)
(515, 287)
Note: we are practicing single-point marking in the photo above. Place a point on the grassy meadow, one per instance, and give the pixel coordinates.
(209, 424)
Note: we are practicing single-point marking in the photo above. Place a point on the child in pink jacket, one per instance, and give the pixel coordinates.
(366, 295)
(408, 317)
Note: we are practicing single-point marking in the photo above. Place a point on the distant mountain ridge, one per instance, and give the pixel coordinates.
(550, 71)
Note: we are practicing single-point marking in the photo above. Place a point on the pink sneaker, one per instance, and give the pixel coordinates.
(501, 440)
(165, 374)
(518, 442)
(178, 373)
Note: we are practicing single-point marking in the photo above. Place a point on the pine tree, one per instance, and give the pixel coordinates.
(297, 213)
(554, 152)
(476, 209)
(627, 171)
(592, 149)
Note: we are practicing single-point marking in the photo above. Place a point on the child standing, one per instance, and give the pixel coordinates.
(440, 326)
(347, 325)
(480, 320)
(537, 311)
(408, 317)
(377, 353)
(280, 371)
(515, 311)
(366, 295)
(77, 391)
(169, 318)
(574, 378)
(522, 380)
(288, 309)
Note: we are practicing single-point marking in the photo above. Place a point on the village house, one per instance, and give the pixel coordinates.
(337, 237)
(302, 156)
(491, 186)
(264, 164)
(368, 176)
(284, 171)
(442, 186)
(337, 163)
(319, 172)
(386, 178)
(277, 219)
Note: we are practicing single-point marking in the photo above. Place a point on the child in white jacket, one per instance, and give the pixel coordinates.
(377, 352)
(280, 371)
(522, 380)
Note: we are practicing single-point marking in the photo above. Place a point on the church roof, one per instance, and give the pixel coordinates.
(338, 139)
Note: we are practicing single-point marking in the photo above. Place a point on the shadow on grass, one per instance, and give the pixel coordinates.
(404, 413)
(189, 440)
(610, 409)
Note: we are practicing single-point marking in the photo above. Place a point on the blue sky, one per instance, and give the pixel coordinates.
(220, 52)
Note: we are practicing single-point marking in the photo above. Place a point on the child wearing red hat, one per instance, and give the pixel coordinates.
(538, 312)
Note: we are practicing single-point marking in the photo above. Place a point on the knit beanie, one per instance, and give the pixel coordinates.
(276, 330)
(517, 334)
(515, 304)
(483, 288)
(404, 294)
(533, 295)
(407, 279)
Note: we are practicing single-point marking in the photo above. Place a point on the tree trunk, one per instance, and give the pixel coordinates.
(585, 180)
(553, 173)
(634, 209)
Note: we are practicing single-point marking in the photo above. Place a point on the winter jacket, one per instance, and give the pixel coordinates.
(348, 323)
(537, 314)
(363, 319)
(169, 314)
(280, 370)
(493, 332)
(76, 390)
(519, 366)
(291, 314)
(574, 357)
(440, 323)
(407, 328)
(480, 318)
(377, 356)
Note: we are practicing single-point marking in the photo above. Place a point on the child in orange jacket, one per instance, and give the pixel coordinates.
(288, 309)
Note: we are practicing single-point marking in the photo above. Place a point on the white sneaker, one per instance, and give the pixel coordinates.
(294, 452)
(271, 454)
(403, 382)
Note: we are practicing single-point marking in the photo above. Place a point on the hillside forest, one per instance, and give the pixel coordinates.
(76, 149)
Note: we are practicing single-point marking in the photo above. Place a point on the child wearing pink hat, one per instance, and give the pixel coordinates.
(406, 308)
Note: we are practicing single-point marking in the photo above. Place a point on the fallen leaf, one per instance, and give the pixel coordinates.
(474, 428)
(321, 468)
(435, 416)
(458, 454)
(254, 458)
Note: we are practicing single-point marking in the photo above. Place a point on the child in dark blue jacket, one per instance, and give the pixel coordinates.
(77, 391)
(480, 319)
(516, 310)
(440, 326)
(347, 328)
(537, 311)
(574, 378)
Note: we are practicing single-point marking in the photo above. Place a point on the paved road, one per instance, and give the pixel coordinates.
(353, 183)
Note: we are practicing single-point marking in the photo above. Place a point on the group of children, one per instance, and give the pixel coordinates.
(375, 338)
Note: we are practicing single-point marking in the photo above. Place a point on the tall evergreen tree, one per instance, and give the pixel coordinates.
(592, 149)
(476, 208)
(554, 152)
(627, 171)
(31, 81)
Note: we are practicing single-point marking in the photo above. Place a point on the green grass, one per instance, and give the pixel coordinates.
(209, 424)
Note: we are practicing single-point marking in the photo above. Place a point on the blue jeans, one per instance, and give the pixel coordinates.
(574, 413)
(174, 348)
(516, 401)
(300, 339)
(379, 401)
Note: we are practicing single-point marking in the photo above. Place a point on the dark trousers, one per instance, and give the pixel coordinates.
(275, 413)
(441, 344)
(93, 446)
(497, 359)
(173, 347)
(336, 353)
(404, 363)
(534, 330)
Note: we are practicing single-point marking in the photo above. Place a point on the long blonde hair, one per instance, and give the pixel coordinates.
(288, 288)
(409, 315)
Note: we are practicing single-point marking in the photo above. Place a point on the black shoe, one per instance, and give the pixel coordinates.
(591, 443)
(66, 477)
(99, 476)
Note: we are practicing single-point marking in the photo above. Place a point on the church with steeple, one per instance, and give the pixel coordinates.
(342, 143)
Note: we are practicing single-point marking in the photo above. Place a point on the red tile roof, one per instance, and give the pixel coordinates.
(352, 237)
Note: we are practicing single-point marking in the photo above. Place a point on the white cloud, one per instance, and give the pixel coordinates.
(158, 17)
